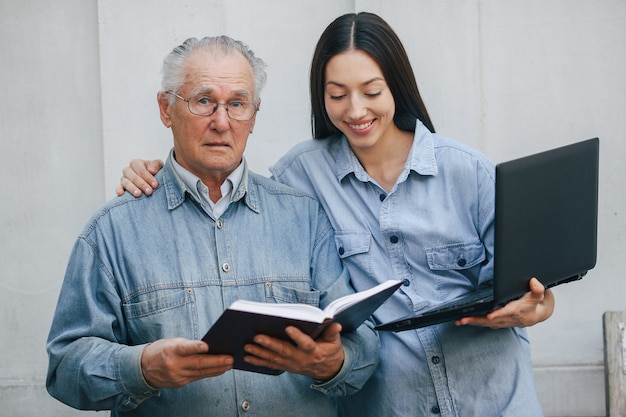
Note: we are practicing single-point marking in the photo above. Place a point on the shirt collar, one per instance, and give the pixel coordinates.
(421, 158)
(178, 181)
(196, 187)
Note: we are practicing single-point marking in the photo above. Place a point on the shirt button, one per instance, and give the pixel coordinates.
(245, 405)
(219, 223)
(406, 283)
(394, 239)
(382, 197)
(461, 262)
(342, 251)
(435, 409)
(435, 359)
(225, 267)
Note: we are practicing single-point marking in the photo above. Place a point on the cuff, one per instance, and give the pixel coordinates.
(130, 376)
(342, 375)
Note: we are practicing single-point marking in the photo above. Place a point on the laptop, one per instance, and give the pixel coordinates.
(545, 227)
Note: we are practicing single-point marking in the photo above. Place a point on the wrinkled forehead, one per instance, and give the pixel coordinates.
(217, 70)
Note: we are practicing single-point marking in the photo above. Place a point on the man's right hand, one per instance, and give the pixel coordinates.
(173, 363)
(138, 177)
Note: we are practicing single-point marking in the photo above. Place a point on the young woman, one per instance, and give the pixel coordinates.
(407, 203)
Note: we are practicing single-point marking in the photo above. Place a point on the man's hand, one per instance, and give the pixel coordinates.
(534, 307)
(173, 363)
(319, 359)
(138, 177)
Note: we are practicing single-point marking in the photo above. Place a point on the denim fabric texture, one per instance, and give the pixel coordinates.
(434, 229)
(160, 267)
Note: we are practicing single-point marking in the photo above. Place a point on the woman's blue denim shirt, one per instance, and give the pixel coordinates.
(159, 267)
(434, 229)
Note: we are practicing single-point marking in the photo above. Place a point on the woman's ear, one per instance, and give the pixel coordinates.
(164, 108)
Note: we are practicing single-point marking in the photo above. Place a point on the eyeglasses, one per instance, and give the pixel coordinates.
(203, 105)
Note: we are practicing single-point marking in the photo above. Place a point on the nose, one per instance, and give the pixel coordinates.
(220, 120)
(356, 107)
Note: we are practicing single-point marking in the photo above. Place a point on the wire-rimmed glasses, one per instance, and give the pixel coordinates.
(203, 105)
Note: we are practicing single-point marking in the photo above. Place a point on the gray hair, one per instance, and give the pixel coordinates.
(173, 77)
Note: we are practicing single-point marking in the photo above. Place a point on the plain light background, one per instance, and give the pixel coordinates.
(79, 80)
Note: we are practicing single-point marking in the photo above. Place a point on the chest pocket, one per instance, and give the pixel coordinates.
(293, 293)
(455, 256)
(162, 313)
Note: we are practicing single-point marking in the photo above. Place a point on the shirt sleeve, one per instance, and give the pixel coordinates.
(90, 367)
(359, 363)
(362, 346)
(486, 197)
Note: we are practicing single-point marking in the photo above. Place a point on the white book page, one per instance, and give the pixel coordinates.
(305, 312)
(342, 303)
(308, 312)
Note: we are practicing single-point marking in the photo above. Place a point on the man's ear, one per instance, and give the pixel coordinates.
(164, 108)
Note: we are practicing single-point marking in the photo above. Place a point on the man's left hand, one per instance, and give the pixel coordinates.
(320, 359)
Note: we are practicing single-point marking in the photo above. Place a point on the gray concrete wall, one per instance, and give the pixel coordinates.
(52, 169)
(80, 77)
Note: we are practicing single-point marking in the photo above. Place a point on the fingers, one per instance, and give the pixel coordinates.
(280, 352)
(537, 289)
(319, 359)
(173, 363)
(270, 353)
(138, 177)
(133, 181)
(533, 307)
(332, 333)
(184, 347)
(303, 341)
(145, 171)
(128, 185)
(482, 321)
(153, 167)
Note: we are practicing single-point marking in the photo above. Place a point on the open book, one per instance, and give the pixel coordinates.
(244, 319)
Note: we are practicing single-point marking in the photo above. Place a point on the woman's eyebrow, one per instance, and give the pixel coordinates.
(371, 80)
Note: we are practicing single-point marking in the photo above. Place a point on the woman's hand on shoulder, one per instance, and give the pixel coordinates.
(138, 177)
(534, 307)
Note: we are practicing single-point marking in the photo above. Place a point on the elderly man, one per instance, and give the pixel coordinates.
(147, 277)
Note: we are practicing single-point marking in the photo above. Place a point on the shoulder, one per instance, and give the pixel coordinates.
(120, 212)
(271, 187)
(452, 154)
(102, 214)
(308, 150)
(284, 202)
(444, 144)
(310, 145)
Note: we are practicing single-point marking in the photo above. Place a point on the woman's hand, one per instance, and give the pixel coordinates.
(138, 177)
(534, 307)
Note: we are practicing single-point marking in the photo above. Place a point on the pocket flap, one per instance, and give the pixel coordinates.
(351, 243)
(456, 255)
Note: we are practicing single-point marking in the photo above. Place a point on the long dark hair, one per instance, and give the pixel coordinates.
(369, 33)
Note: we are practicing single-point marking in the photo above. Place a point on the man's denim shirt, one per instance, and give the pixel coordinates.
(159, 267)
